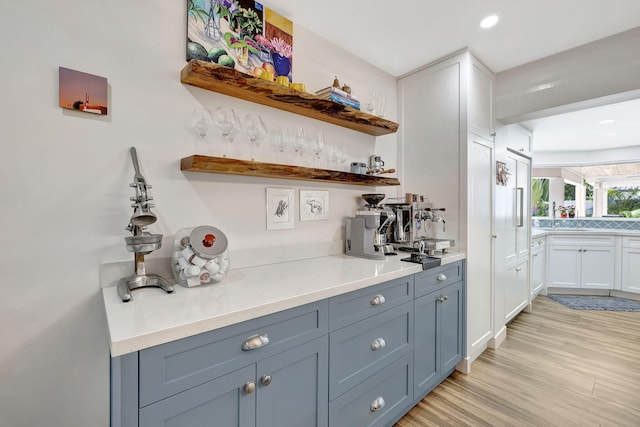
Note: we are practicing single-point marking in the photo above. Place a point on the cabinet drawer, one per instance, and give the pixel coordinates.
(631, 242)
(582, 240)
(377, 401)
(360, 350)
(431, 280)
(358, 305)
(538, 243)
(170, 368)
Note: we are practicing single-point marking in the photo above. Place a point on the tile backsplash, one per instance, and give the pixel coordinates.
(604, 223)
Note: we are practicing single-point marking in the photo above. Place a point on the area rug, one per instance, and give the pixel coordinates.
(597, 303)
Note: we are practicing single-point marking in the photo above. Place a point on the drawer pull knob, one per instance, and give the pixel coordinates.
(519, 269)
(255, 341)
(249, 387)
(377, 404)
(441, 277)
(443, 298)
(378, 299)
(266, 380)
(378, 344)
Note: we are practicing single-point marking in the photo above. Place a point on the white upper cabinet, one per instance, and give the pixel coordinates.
(481, 108)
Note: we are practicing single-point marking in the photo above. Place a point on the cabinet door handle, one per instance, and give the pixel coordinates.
(441, 277)
(378, 299)
(377, 404)
(445, 297)
(584, 250)
(255, 341)
(266, 380)
(378, 343)
(519, 269)
(249, 387)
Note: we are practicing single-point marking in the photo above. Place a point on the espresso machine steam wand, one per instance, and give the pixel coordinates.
(142, 242)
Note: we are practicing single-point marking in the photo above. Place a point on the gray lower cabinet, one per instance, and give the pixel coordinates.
(359, 359)
(438, 327)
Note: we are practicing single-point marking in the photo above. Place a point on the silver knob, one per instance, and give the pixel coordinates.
(249, 387)
(519, 269)
(445, 297)
(255, 341)
(441, 277)
(378, 344)
(377, 404)
(378, 299)
(266, 380)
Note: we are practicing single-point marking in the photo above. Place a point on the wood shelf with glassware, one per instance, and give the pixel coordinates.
(228, 81)
(224, 165)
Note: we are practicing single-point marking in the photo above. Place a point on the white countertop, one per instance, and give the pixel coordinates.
(599, 231)
(154, 317)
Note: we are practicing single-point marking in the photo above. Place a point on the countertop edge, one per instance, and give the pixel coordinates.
(122, 343)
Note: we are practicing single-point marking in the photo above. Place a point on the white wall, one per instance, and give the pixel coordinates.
(65, 179)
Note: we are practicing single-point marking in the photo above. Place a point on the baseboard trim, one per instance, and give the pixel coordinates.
(497, 340)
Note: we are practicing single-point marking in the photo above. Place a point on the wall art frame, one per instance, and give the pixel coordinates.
(314, 205)
(280, 208)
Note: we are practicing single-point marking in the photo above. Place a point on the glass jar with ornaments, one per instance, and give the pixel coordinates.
(200, 256)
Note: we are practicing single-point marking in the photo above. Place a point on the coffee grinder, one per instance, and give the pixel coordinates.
(366, 233)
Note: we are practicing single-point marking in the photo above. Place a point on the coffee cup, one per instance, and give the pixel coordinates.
(283, 80)
(267, 75)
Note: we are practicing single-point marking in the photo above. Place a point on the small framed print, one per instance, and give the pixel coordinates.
(314, 205)
(280, 209)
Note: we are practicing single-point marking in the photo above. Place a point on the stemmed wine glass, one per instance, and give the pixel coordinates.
(256, 130)
(298, 141)
(227, 124)
(201, 122)
(317, 146)
(280, 142)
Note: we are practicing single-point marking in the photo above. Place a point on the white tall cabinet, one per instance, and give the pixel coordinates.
(447, 153)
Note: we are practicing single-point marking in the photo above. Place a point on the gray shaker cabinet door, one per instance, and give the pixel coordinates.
(293, 387)
(425, 350)
(222, 402)
(451, 328)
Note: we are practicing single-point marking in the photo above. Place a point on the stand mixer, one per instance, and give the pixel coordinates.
(366, 233)
(141, 243)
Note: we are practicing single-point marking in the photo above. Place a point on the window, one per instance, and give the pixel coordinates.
(624, 201)
(540, 197)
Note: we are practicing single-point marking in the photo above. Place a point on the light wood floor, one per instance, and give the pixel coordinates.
(557, 367)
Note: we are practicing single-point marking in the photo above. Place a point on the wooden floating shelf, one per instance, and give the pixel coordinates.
(228, 81)
(223, 165)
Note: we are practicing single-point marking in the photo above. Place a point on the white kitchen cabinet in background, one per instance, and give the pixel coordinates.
(538, 265)
(631, 264)
(586, 262)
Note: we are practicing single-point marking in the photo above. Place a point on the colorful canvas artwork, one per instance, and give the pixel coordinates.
(241, 34)
(82, 92)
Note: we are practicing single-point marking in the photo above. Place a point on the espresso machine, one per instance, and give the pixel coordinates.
(415, 222)
(367, 232)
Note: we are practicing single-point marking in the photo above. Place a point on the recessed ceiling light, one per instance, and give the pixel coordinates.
(606, 122)
(489, 21)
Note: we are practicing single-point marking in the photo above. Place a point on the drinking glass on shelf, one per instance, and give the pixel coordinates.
(317, 146)
(342, 157)
(370, 102)
(298, 141)
(380, 101)
(280, 143)
(201, 122)
(256, 130)
(227, 123)
(332, 156)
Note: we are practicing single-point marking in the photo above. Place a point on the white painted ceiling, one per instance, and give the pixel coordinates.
(400, 36)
